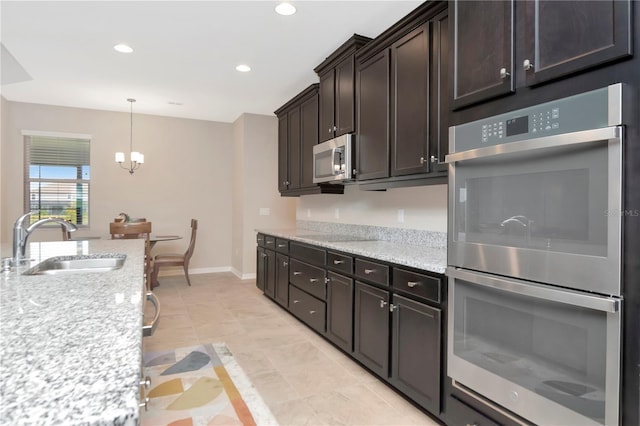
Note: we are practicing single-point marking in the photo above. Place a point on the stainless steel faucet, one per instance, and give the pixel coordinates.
(21, 233)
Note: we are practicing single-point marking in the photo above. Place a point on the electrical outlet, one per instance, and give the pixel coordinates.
(336, 213)
(265, 211)
(400, 215)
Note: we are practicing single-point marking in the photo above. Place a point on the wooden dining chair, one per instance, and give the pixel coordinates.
(172, 259)
(134, 230)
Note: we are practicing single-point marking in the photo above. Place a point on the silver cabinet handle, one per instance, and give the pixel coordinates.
(503, 73)
(383, 303)
(335, 128)
(296, 301)
(527, 65)
(285, 264)
(150, 327)
(369, 271)
(392, 307)
(146, 382)
(313, 280)
(312, 312)
(264, 254)
(282, 245)
(412, 284)
(297, 273)
(269, 242)
(433, 159)
(338, 262)
(327, 280)
(145, 404)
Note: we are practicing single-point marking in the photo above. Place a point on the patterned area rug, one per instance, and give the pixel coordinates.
(201, 386)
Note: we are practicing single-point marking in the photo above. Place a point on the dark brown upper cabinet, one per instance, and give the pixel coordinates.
(402, 102)
(564, 37)
(482, 50)
(493, 56)
(297, 134)
(337, 90)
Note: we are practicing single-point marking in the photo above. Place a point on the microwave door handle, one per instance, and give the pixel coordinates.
(528, 289)
(336, 157)
(566, 139)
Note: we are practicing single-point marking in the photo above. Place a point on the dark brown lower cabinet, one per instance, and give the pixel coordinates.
(261, 268)
(270, 274)
(282, 280)
(371, 328)
(340, 311)
(415, 351)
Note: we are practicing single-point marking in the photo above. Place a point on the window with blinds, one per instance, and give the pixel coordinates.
(57, 174)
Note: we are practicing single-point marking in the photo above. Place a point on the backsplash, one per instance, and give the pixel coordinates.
(433, 239)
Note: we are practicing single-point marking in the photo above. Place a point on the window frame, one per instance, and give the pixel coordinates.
(28, 180)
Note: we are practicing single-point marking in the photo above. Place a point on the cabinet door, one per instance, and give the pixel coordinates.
(415, 353)
(327, 102)
(410, 103)
(261, 268)
(294, 148)
(345, 96)
(340, 311)
(563, 37)
(270, 274)
(483, 48)
(371, 328)
(372, 140)
(440, 96)
(283, 153)
(282, 279)
(309, 138)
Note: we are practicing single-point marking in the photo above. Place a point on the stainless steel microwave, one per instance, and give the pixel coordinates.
(332, 160)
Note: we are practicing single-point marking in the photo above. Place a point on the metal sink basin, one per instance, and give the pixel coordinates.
(78, 264)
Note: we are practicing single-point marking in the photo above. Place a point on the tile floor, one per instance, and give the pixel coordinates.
(303, 379)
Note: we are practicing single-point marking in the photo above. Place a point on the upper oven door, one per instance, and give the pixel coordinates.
(543, 209)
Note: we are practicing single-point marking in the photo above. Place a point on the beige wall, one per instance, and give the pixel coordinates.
(425, 207)
(187, 174)
(256, 154)
(4, 136)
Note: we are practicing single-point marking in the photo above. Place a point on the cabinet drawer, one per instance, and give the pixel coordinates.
(307, 253)
(260, 240)
(340, 262)
(459, 413)
(282, 245)
(417, 284)
(270, 242)
(373, 272)
(308, 278)
(306, 307)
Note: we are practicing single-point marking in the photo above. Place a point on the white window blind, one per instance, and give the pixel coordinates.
(57, 175)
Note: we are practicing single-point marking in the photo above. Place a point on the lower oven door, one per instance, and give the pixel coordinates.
(550, 355)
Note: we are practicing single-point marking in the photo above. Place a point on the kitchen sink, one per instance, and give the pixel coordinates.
(78, 264)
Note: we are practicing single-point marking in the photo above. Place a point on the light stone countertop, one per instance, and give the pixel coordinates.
(71, 344)
(419, 256)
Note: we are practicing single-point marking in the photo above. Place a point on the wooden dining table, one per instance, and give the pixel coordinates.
(154, 238)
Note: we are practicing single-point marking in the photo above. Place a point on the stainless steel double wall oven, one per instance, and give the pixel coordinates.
(534, 259)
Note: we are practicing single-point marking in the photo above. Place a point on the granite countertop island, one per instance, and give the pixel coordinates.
(416, 249)
(71, 344)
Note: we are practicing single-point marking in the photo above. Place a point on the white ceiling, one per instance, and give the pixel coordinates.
(185, 52)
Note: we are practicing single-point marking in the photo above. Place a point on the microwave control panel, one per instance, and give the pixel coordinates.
(575, 113)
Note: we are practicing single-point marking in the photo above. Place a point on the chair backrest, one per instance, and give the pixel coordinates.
(192, 242)
(130, 230)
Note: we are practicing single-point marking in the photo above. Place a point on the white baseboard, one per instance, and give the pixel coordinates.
(243, 276)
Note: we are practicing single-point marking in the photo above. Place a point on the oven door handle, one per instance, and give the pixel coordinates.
(525, 288)
(150, 327)
(555, 141)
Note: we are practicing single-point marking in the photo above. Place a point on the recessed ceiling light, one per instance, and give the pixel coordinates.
(285, 9)
(243, 68)
(123, 48)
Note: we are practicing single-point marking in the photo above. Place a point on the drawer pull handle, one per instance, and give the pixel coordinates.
(313, 280)
(145, 403)
(297, 273)
(338, 262)
(269, 242)
(312, 312)
(412, 284)
(282, 245)
(369, 271)
(383, 303)
(146, 382)
(295, 301)
(474, 424)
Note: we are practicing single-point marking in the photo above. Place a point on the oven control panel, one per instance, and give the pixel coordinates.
(575, 113)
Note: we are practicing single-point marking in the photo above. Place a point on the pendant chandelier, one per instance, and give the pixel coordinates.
(136, 158)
